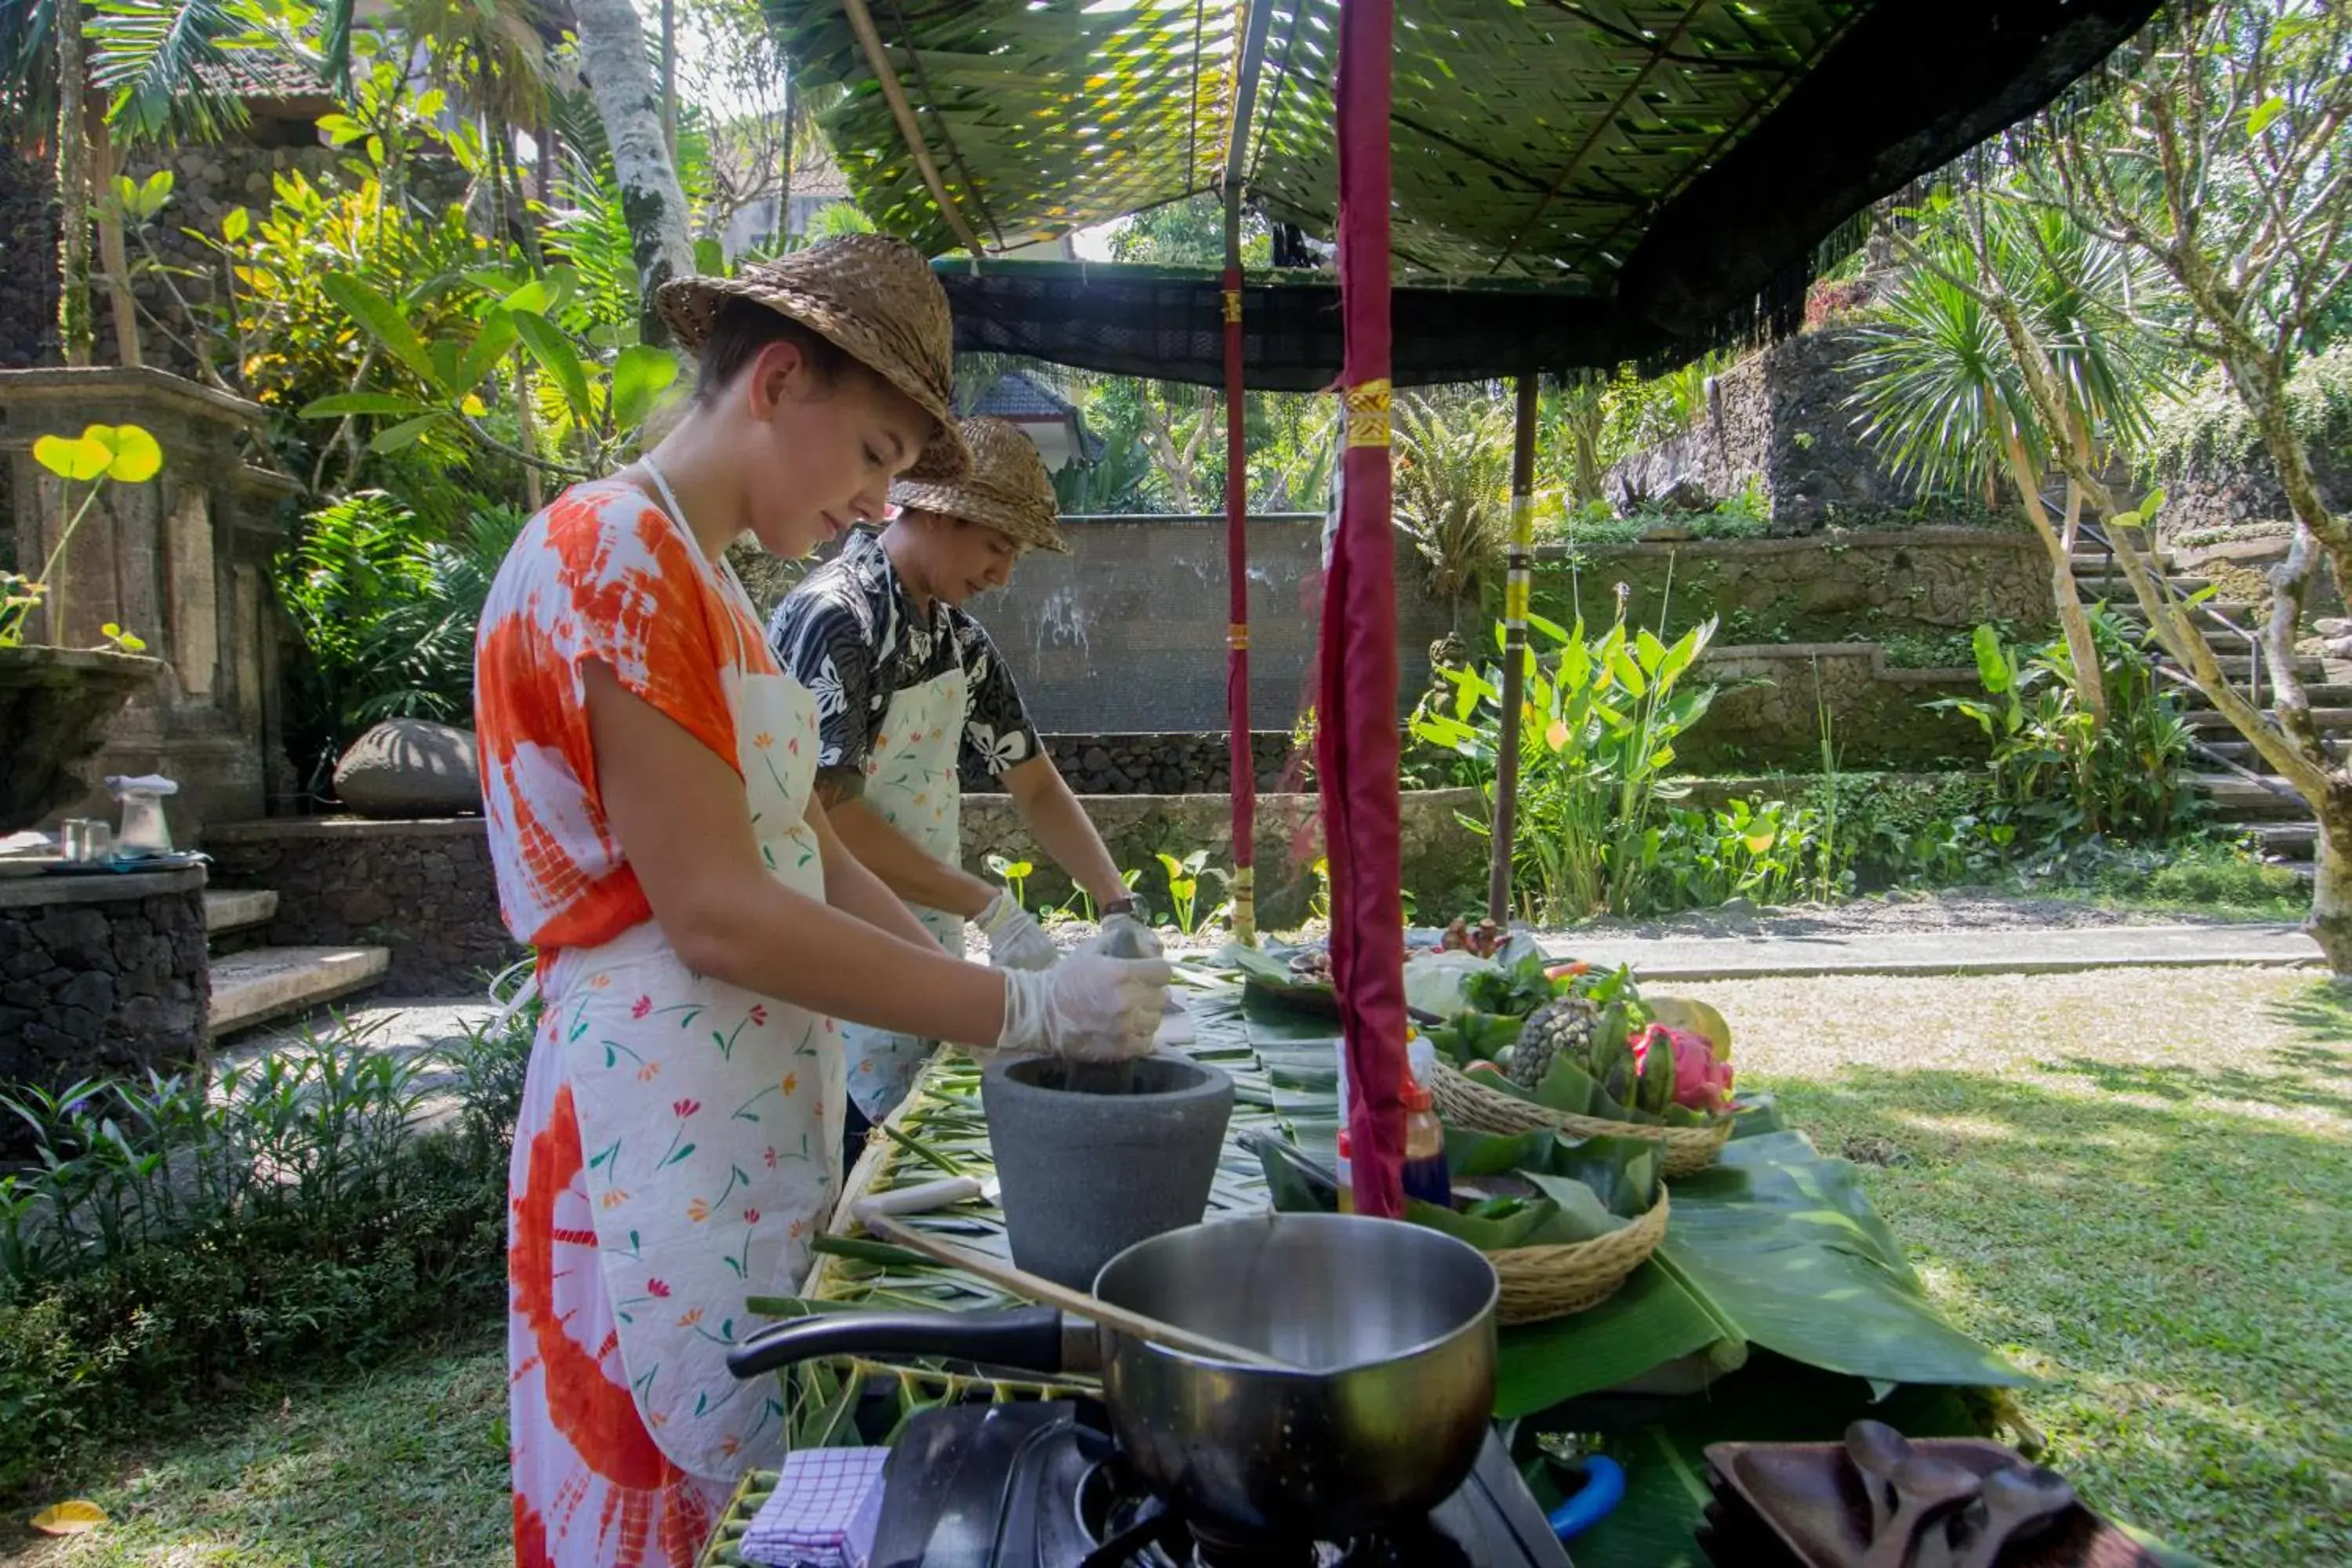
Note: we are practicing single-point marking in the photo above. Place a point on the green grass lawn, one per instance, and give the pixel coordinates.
(2137, 1183)
(406, 1464)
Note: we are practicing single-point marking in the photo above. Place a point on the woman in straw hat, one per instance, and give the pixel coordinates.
(908, 687)
(648, 775)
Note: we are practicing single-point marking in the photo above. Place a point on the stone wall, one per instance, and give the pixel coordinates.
(100, 974)
(28, 263)
(425, 889)
(1443, 863)
(1127, 636)
(1768, 701)
(1197, 764)
(207, 183)
(1918, 581)
(1778, 418)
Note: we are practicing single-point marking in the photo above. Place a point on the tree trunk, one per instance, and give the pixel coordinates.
(2330, 924)
(106, 163)
(2081, 647)
(613, 57)
(670, 76)
(73, 188)
(791, 126)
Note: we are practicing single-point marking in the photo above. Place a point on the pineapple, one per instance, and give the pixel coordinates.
(1565, 1026)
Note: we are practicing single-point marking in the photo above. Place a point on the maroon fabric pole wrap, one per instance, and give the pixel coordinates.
(1243, 769)
(1356, 743)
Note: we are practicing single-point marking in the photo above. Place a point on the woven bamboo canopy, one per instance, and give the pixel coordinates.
(1634, 180)
(1515, 185)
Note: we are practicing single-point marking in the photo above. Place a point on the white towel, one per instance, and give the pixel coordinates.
(824, 1513)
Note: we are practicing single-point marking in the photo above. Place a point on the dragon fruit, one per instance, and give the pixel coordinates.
(1701, 1082)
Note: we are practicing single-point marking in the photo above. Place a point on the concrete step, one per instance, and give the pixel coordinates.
(2239, 751)
(2244, 800)
(266, 982)
(2331, 722)
(2324, 697)
(2287, 840)
(231, 909)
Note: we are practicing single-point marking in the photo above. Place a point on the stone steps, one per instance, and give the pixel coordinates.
(2244, 800)
(265, 983)
(230, 910)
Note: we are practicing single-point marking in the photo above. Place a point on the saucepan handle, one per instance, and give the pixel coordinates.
(1029, 1338)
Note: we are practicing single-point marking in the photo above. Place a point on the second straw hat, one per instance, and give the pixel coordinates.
(870, 295)
(1008, 489)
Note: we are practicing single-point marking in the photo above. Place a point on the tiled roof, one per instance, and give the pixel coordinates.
(1016, 397)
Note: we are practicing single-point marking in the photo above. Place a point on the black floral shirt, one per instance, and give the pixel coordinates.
(851, 635)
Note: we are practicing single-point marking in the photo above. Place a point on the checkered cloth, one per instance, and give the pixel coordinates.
(824, 1511)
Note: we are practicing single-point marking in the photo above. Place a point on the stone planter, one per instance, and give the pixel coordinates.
(1093, 1158)
(55, 706)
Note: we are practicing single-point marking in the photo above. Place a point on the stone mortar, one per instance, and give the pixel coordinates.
(1094, 1158)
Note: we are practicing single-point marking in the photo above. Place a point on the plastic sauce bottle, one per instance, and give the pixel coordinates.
(1426, 1177)
(1346, 1175)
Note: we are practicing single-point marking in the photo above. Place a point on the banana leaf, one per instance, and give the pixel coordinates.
(1517, 1229)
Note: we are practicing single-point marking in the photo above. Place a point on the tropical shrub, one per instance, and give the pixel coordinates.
(386, 619)
(1596, 746)
(167, 1241)
(2059, 776)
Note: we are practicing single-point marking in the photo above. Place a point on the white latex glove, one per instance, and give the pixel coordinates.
(1088, 1008)
(1124, 936)
(1014, 940)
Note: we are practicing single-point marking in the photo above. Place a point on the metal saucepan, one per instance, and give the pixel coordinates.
(1390, 1328)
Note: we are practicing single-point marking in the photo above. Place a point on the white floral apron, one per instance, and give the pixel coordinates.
(911, 784)
(709, 1123)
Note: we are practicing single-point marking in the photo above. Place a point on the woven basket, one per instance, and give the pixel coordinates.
(1541, 1282)
(1462, 1101)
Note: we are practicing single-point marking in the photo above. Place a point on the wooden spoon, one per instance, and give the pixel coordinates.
(1078, 1303)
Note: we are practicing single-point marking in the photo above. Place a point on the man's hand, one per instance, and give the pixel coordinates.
(1014, 940)
(1125, 936)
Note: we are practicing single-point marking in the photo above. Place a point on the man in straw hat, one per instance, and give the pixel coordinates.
(648, 778)
(907, 684)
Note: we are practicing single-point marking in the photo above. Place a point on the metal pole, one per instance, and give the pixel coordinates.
(1522, 561)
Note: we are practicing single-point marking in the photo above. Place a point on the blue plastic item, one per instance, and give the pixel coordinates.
(1603, 1489)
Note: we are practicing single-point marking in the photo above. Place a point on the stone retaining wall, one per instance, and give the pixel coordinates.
(1826, 588)
(1443, 862)
(423, 889)
(1186, 763)
(1777, 419)
(1769, 703)
(101, 974)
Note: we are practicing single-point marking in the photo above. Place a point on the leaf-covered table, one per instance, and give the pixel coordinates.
(1778, 1306)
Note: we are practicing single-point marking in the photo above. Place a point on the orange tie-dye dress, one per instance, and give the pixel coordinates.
(678, 1144)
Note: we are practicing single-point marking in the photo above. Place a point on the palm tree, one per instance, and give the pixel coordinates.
(1942, 390)
(613, 59)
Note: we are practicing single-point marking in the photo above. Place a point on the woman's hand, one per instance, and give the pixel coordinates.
(1088, 1008)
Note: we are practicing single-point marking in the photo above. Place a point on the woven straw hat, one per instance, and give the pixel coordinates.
(1007, 488)
(870, 295)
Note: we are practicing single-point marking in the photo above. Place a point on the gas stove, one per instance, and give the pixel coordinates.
(1042, 1486)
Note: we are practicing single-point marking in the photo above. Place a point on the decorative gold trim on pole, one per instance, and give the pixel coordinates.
(1246, 905)
(1368, 414)
(1232, 306)
(1237, 636)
